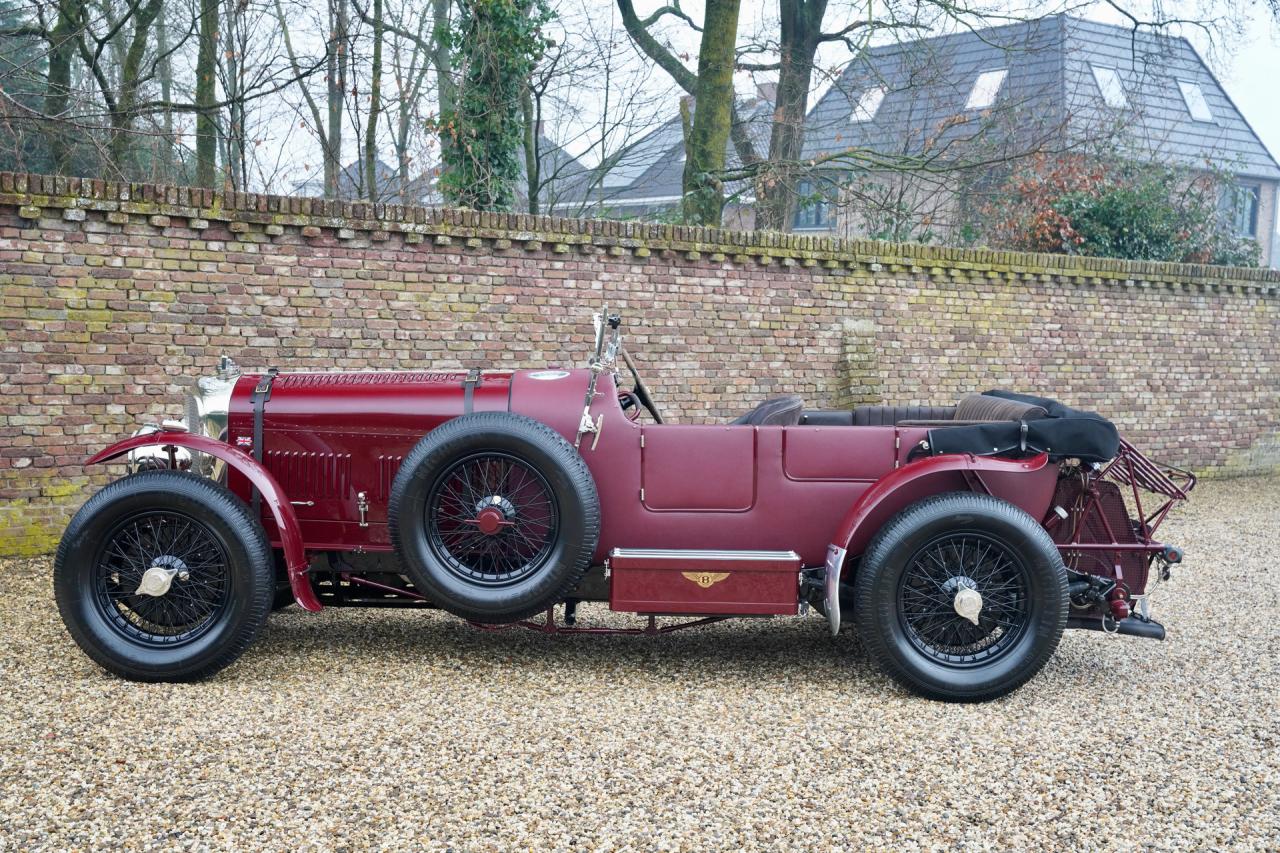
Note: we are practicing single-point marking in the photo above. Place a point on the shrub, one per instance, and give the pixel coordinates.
(1118, 209)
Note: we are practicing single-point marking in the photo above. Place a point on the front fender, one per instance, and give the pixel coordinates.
(1025, 483)
(281, 510)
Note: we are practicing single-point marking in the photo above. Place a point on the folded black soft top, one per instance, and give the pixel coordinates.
(1063, 433)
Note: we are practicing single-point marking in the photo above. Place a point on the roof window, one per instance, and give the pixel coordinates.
(1193, 96)
(985, 89)
(1109, 83)
(868, 105)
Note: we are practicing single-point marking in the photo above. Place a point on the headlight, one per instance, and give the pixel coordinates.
(157, 458)
(204, 413)
(206, 409)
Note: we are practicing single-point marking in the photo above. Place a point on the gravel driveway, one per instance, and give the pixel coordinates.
(351, 729)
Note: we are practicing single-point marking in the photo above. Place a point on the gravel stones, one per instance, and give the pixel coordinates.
(352, 729)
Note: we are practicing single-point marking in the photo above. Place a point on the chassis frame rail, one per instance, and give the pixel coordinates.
(548, 625)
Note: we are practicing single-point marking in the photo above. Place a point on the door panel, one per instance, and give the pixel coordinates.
(837, 453)
(698, 467)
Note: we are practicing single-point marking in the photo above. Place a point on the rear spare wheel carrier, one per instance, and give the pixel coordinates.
(494, 516)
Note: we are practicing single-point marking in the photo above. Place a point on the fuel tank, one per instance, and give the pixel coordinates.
(336, 440)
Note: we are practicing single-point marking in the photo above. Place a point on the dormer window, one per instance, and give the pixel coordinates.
(1111, 86)
(868, 105)
(985, 89)
(1193, 97)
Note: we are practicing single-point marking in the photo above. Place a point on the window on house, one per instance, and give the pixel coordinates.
(1193, 96)
(868, 105)
(813, 211)
(985, 89)
(1239, 206)
(1111, 86)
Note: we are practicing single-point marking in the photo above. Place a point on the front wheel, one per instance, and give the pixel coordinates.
(961, 597)
(164, 576)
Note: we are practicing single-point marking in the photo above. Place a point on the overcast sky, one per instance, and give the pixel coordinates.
(1243, 54)
(1247, 63)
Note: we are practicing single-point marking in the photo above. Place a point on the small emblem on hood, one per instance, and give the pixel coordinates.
(705, 579)
(244, 441)
(548, 374)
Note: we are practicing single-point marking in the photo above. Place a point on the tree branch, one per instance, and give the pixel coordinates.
(674, 10)
(655, 50)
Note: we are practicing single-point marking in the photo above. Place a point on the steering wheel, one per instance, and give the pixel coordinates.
(630, 404)
(638, 392)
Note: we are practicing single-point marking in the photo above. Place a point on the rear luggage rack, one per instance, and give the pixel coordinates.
(1131, 468)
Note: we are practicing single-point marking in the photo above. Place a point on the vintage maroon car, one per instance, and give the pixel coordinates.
(959, 540)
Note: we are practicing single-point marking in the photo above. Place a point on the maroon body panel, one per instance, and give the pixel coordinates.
(705, 583)
(1026, 483)
(330, 437)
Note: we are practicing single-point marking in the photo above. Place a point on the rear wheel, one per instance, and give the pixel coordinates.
(494, 516)
(961, 597)
(163, 576)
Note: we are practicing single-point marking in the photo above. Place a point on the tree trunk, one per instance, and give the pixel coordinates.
(207, 95)
(801, 29)
(402, 151)
(57, 94)
(532, 162)
(375, 105)
(236, 156)
(122, 147)
(703, 202)
(165, 71)
(337, 67)
(446, 86)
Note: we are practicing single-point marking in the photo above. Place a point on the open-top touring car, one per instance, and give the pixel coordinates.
(959, 540)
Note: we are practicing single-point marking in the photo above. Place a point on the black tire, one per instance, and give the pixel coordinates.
(906, 586)
(217, 600)
(544, 512)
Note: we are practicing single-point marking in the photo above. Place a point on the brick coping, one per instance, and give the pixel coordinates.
(33, 194)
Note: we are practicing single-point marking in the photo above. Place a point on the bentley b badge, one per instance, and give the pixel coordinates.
(705, 579)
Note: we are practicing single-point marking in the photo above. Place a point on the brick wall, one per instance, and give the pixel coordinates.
(115, 296)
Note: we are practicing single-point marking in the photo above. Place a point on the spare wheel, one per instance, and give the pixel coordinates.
(494, 516)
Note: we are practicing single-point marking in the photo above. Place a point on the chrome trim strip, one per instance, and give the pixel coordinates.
(672, 554)
(831, 588)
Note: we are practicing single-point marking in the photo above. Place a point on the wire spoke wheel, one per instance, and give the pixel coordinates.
(164, 576)
(492, 519)
(494, 516)
(955, 570)
(183, 556)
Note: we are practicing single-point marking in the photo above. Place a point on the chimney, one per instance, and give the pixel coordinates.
(767, 92)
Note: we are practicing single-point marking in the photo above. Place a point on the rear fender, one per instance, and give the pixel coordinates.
(1025, 483)
(281, 510)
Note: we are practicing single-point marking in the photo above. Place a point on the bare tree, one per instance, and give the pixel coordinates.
(711, 86)
(206, 94)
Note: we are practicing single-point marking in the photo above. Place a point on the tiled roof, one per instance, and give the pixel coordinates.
(1050, 91)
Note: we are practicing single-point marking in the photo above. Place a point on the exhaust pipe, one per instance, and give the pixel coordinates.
(1132, 626)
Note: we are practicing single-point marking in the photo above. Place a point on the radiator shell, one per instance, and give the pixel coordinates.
(704, 583)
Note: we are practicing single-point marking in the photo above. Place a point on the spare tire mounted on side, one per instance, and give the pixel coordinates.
(494, 516)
